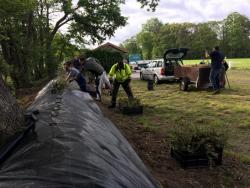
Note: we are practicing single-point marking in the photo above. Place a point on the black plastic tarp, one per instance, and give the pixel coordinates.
(74, 146)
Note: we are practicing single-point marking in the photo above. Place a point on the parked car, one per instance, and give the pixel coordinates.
(163, 69)
(133, 66)
(142, 65)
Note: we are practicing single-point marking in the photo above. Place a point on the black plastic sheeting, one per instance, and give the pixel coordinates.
(74, 146)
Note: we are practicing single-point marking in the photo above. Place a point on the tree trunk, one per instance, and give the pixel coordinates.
(11, 118)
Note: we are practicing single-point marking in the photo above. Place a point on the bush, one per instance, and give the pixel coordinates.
(198, 139)
(60, 82)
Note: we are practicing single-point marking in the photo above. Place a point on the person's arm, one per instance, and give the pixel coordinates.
(70, 77)
(112, 71)
(128, 70)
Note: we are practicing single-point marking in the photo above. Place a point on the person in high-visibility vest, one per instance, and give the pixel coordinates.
(122, 73)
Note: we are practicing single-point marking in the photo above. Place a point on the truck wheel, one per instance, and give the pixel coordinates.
(184, 84)
(156, 80)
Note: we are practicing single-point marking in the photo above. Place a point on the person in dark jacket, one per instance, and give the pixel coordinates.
(217, 59)
(74, 74)
(94, 66)
(122, 73)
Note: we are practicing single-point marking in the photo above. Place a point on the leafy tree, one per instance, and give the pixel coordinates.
(153, 25)
(232, 34)
(64, 47)
(203, 38)
(236, 31)
(27, 34)
(151, 4)
(16, 38)
(147, 38)
(145, 42)
(132, 46)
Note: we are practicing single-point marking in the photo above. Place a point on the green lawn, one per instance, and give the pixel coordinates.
(167, 107)
(243, 63)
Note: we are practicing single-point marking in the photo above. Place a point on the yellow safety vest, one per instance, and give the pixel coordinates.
(120, 75)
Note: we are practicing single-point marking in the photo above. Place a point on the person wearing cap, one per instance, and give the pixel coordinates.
(122, 74)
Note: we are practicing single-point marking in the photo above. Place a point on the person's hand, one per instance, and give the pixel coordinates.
(110, 80)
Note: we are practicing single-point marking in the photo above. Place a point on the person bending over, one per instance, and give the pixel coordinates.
(93, 65)
(122, 73)
(75, 74)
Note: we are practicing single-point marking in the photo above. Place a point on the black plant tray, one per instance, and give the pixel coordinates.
(196, 160)
(135, 110)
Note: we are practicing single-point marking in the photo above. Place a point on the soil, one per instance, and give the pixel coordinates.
(26, 96)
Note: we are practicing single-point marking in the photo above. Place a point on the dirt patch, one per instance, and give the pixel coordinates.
(26, 96)
(153, 147)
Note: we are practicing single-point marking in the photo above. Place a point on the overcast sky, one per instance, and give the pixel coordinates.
(177, 11)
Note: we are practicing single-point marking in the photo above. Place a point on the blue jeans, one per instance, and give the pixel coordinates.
(81, 82)
(215, 75)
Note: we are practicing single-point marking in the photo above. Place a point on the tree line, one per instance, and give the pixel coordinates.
(232, 35)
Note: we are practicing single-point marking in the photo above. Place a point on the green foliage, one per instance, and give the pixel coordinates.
(153, 25)
(60, 82)
(147, 39)
(204, 38)
(231, 34)
(236, 31)
(132, 46)
(30, 43)
(97, 19)
(107, 58)
(195, 139)
(63, 47)
(151, 4)
(4, 68)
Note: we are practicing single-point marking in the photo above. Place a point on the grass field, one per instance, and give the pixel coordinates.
(243, 63)
(167, 107)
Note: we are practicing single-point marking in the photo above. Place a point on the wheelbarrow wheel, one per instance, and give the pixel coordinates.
(184, 84)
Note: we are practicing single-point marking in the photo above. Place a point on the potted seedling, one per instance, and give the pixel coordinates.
(130, 106)
(60, 83)
(197, 146)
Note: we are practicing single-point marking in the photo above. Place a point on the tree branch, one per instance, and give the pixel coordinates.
(59, 24)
